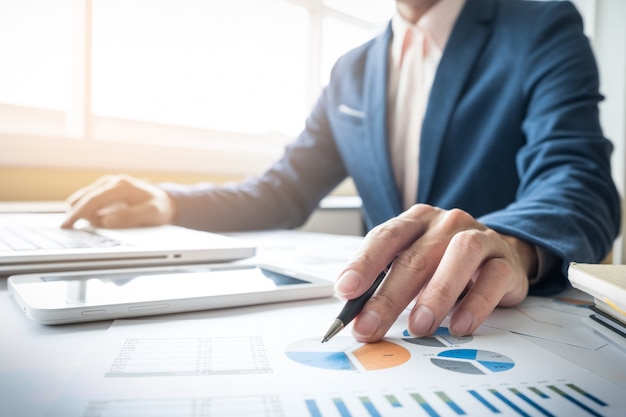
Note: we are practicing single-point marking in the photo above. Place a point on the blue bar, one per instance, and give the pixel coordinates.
(574, 401)
(444, 397)
(313, 408)
(484, 401)
(420, 400)
(509, 403)
(341, 406)
(367, 403)
(539, 392)
(393, 401)
(586, 394)
(531, 402)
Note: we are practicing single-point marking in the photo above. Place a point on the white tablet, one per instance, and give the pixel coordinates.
(57, 298)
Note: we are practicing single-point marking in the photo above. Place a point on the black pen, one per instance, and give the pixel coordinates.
(353, 307)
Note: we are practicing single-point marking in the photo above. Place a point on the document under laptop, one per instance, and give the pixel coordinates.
(34, 242)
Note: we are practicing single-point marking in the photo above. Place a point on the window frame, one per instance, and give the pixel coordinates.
(67, 139)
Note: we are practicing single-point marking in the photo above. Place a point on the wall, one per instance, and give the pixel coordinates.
(610, 47)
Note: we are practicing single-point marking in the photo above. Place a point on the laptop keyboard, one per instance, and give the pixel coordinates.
(37, 238)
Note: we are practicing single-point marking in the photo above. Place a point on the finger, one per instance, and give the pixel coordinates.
(410, 271)
(391, 298)
(92, 202)
(138, 215)
(79, 194)
(462, 258)
(491, 283)
(380, 246)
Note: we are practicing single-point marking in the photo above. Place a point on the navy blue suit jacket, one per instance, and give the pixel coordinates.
(511, 135)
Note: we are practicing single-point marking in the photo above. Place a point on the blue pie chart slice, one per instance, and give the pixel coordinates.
(441, 338)
(325, 360)
(345, 354)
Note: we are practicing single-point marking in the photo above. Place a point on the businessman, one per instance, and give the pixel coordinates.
(470, 129)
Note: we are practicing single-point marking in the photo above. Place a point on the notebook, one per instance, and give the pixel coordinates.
(34, 242)
(606, 283)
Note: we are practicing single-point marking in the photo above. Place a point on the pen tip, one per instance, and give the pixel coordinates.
(334, 328)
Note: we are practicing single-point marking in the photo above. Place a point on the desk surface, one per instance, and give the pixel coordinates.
(37, 362)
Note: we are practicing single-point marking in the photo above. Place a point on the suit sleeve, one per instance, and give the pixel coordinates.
(282, 197)
(567, 202)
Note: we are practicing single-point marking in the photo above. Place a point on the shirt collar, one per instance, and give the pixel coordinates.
(436, 23)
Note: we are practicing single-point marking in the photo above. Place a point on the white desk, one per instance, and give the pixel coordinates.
(36, 361)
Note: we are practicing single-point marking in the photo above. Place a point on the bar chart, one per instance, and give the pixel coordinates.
(532, 400)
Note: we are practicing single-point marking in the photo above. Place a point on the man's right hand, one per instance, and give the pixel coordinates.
(119, 201)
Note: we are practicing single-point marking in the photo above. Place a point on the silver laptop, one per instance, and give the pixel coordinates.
(34, 242)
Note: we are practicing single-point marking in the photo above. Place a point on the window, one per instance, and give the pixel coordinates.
(200, 86)
(36, 51)
(176, 85)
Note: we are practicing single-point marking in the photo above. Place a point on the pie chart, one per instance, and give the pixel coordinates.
(473, 361)
(345, 354)
(441, 338)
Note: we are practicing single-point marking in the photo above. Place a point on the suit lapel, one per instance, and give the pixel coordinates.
(375, 99)
(466, 41)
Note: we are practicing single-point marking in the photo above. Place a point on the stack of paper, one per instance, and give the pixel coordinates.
(269, 362)
(607, 284)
